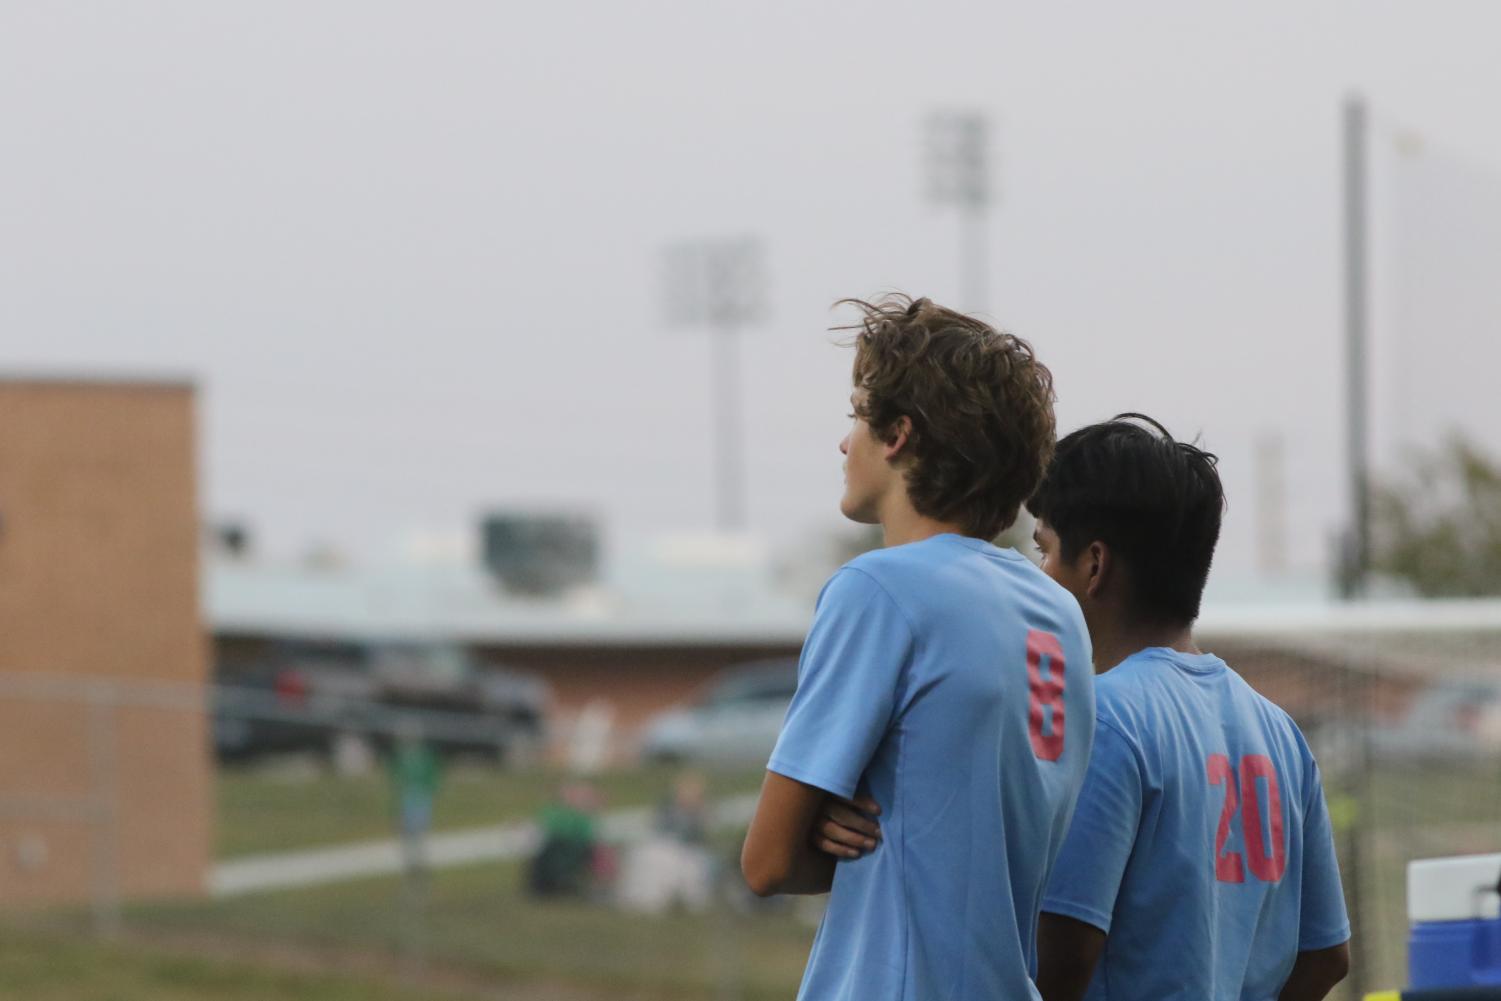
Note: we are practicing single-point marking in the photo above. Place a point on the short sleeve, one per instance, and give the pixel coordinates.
(1087, 875)
(1322, 921)
(847, 685)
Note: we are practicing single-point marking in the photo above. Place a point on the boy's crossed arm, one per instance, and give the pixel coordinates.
(799, 832)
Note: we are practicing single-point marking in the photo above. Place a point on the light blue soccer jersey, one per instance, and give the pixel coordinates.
(1201, 843)
(951, 681)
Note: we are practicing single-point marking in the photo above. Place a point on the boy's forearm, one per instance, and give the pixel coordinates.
(779, 856)
(1315, 973)
(811, 872)
(805, 871)
(1067, 952)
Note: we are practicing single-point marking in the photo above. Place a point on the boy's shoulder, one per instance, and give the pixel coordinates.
(894, 569)
(910, 573)
(1128, 683)
(919, 578)
(879, 572)
(933, 555)
(1131, 696)
(1124, 699)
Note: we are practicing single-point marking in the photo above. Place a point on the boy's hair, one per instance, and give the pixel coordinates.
(1156, 502)
(980, 403)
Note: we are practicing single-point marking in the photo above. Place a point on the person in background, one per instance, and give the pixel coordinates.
(566, 859)
(684, 814)
(415, 773)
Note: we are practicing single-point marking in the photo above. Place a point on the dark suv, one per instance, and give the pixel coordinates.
(306, 696)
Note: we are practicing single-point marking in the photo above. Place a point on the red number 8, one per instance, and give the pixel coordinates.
(1047, 691)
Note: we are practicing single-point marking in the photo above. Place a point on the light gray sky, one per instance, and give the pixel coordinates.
(410, 250)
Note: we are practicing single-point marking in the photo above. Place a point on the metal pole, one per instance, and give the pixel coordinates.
(729, 474)
(103, 757)
(1267, 470)
(414, 869)
(717, 285)
(959, 175)
(972, 234)
(1357, 858)
(1357, 557)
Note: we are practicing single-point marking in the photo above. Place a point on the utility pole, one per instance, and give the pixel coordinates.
(1355, 553)
(720, 286)
(959, 175)
(1268, 470)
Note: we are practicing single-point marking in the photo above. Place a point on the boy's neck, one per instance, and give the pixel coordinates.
(901, 524)
(1117, 643)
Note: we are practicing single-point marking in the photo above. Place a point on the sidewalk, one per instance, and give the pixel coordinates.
(319, 866)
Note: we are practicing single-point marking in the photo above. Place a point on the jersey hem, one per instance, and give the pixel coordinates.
(844, 790)
(1325, 941)
(1079, 912)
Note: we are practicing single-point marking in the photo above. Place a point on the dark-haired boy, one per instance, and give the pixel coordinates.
(1199, 863)
(943, 677)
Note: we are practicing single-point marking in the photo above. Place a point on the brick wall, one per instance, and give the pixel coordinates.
(99, 581)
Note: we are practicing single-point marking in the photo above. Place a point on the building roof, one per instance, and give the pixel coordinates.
(466, 605)
(100, 380)
(662, 607)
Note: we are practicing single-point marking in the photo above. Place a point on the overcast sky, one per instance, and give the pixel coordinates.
(410, 251)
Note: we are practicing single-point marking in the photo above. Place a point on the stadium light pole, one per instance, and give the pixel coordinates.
(719, 285)
(958, 153)
(1355, 554)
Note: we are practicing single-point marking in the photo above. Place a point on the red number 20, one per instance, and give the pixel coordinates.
(1227, 865)
(1047, 692)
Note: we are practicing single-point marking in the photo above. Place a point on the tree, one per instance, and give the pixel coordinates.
(1439, 528)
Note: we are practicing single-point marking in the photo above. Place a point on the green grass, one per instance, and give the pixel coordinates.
(479, 925)
(1400, 812)
(269, 810)
(476, 923)
(51, 968)
(1421, 795)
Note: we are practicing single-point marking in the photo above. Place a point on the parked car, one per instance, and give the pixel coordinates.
(465, 707)
(311, 696)
(1452, 720)
(735, 722)
(297, 697)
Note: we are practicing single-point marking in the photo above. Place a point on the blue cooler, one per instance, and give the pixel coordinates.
(1455, 910)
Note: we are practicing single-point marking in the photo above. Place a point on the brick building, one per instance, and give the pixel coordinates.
(643, 650)
(639, 657)
(105, 777)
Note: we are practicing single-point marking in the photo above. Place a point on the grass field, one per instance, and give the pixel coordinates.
(476, 928)
(1401, 812)
(282, 808)
(477, 925)
(49, 968)
(481, 937)
(271, 809)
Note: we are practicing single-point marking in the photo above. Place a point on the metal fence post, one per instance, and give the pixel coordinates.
(104, 812)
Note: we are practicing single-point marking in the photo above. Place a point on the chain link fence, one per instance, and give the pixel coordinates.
(415, 847)
(1406, 725)
(500, 875)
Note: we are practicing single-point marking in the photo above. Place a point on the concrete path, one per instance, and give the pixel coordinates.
(320, 866)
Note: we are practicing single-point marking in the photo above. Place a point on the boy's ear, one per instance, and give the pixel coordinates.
(1100, 567)
(901, 433)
